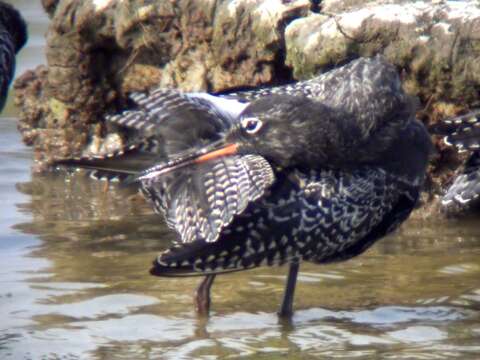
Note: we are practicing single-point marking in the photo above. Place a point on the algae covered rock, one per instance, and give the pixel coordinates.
(435, 44)
(99, 51)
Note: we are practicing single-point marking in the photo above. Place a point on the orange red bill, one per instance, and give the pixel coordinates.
(201, 156)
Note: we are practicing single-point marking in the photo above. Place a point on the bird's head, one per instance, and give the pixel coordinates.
(279, 128)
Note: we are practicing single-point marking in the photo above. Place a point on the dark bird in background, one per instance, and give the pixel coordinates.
(13, 35)
(315, 171)
(463, 132)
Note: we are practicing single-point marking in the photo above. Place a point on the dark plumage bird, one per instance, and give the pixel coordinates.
(316, 171)
(463, 132)
(13, 35)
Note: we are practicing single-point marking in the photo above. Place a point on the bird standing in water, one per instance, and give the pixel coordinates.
(13, 35)
(316, 171)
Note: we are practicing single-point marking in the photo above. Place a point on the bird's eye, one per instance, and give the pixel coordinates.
(251, 125)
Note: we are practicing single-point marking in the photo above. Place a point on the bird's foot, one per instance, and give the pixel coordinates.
(285, 312)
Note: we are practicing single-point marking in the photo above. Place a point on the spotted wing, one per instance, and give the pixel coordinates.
(466, 186)
(463, 131)
(344, 212)
(201, 200)
(326, 216)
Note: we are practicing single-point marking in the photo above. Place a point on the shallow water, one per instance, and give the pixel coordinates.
(75, 255)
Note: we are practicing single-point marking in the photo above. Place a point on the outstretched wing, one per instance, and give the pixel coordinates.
(178, 121)
(200, 201)
(160, 126)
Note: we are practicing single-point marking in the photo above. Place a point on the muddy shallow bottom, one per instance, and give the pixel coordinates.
(75, 255)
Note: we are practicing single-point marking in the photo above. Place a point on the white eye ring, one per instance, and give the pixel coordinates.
(251, 124)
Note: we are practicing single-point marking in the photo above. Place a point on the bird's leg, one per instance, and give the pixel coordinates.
(286, 310)
(202, 295)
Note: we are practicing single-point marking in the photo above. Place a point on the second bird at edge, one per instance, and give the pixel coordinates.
(315, 171)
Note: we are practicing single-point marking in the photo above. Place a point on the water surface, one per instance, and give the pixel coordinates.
(74, 281)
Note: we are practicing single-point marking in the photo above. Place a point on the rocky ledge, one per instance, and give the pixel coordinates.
(99, 51)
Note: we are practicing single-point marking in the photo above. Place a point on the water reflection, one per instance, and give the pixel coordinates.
(87, 291)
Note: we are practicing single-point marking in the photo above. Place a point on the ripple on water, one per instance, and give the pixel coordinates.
(386, 315)
(75, 285)
(80, 338)
(460, 269)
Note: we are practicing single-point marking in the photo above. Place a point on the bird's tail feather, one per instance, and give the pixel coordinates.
(191, 259)
(202, 258)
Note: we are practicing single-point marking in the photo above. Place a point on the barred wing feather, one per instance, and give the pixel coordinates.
(200, 201)
(179, 121)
